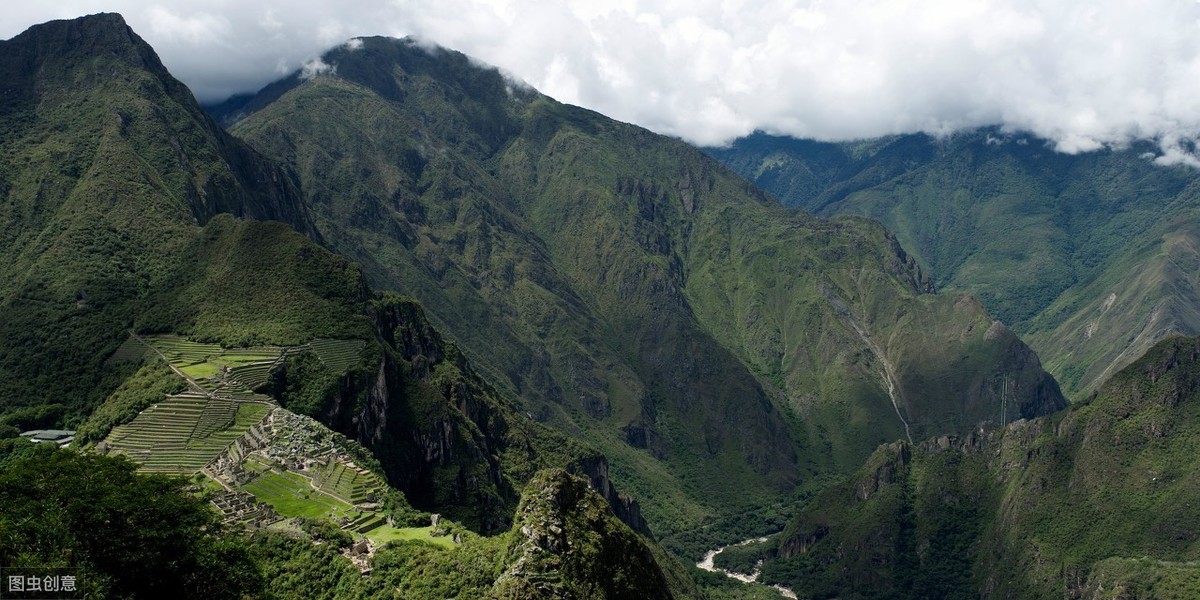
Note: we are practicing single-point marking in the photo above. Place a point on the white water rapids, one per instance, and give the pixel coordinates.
(707, 564)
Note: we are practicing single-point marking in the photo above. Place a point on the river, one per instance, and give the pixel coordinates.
(707, 564)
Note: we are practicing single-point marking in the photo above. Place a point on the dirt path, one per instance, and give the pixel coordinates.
(196, 387)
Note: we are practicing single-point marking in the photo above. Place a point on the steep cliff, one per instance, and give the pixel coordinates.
(1076, 505)
(566, 544)
(444, 436)
(629, 290)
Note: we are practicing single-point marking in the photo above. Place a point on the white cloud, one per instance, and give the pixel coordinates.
(315, 67)
(1083, 74)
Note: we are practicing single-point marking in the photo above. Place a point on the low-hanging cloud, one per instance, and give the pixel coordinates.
(1084, 75)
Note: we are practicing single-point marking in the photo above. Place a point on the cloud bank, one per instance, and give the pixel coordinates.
(1082, 74)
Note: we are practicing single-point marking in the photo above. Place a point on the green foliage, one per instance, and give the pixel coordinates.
(593, 270)
(715, 586)
(304, 385)
(298, 568)
(419, 570)
(247, 283)
(566, 542)
(1044, 239)
(127, 535)
(153, 382)
(1118, 578)
(108, 165)
(1098, 498)
(726, 529)
(744, 558)
(324, 531)
(603, 559)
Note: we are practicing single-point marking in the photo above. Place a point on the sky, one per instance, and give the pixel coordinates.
(1082, 74)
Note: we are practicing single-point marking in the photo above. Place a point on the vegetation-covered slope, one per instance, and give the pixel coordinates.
(107, 166)
(1086, 256)
(131, 535)
(120, 533)
(1095, 502)
(113, 178)
(627, 288)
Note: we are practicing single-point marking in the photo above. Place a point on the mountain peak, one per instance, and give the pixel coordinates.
(83, 35)
(69, 44)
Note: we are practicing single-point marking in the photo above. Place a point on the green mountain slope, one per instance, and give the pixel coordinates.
(1095, 502)
(130, 227)
(108, 167)
(1044, 239)
(114, 178)
(627, 288)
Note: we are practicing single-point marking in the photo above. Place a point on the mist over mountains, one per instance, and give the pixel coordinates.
(1088, 257)
(396, 314)
(1084, 76)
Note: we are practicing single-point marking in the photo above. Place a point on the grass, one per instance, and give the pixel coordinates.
(291, 495)
(202, 370)
(387, 533)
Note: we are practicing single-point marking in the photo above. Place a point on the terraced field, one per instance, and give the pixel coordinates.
(346, 482)
(183, 432)
(241, 368)
(233, 373)
(338, 355)
(251, 376)
(181, 351)
(293, 495)
(131, 350)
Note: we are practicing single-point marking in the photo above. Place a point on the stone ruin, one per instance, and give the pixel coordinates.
(241, 507)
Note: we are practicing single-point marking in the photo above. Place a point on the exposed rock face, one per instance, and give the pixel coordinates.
(889, 468)
(595, 469)
(568, 544)
(444, 437)
(223, 175)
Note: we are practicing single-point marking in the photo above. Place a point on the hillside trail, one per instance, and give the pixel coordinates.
(196, 387)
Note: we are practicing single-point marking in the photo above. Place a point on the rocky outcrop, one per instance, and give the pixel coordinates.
(566, 543)
(444, 436)
(625, 507)
(886, 467)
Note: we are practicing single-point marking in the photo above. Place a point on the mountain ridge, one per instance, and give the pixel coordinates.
(1043, 238)
(1064, 504)
(604, 263)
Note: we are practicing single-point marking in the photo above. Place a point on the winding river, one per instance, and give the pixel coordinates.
(707, 564)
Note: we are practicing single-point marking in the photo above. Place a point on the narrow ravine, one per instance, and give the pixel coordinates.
(888, 373)
(709, 557)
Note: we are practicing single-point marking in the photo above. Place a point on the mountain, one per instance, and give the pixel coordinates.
(109, 168)
(1094, 502)
(165, 292)
(1086, 256)
(422, 320)
(718, 348)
